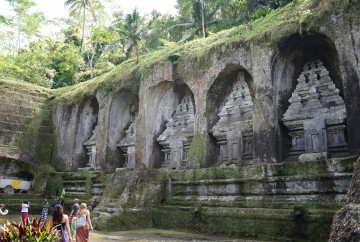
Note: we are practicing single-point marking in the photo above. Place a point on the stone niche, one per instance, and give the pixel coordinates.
(127, 144)
(177, 137)
(120, 138)
(316, 117)
(90, 122)
(234, 129)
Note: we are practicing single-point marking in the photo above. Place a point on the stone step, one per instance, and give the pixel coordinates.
(74, 183)
(75, 189)
(16, 109)
(19, 119)
(76, 176)
(8, 137)
(263, 224)
(75, 193)
(23, 100)
(274, 185)
(327, 201)
(22, 127)
(69, 198)
(99, 185)
(41, 94)
(21, 196)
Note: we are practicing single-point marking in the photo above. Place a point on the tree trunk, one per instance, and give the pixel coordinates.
(137, 54)
(83, 32)
(203, 18)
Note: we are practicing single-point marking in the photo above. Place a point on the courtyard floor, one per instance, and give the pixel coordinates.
(146, 235)
(143, 235)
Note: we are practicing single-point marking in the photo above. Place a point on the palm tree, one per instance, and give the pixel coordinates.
(81, 6)
(130, 30)
(202, 16)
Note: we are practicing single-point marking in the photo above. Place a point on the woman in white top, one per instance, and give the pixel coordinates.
(83, 224)
(25, 211)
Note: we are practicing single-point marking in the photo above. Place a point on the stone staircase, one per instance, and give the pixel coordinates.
(87, 186)
(20, 105)
(292, 195)
(280, 201)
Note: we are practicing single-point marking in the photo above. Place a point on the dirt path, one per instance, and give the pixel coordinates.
(147, 235)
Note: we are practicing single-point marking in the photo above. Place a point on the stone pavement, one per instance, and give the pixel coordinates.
(147, 235)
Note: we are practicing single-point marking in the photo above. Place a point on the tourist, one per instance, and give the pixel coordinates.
(60, 220)
(25, 211)
(73, 228)
(83, 224)
(44, 210)
(55, 202)
(74, 209)
(1, 210)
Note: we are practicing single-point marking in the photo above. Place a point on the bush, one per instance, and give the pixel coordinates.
(34, 230)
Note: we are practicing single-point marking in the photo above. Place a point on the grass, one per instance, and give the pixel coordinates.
(267, 31)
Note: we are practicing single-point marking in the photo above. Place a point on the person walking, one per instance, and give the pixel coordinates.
(25, 211)
(44, 210)
(83, 224)
(60, 220)
(1, 210)
(74, 210)
(73, 228)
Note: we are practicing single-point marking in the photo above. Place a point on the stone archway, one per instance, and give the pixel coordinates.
(168, 106)
(309, 93)
(230, 116)
(122, 126)
(87, 133)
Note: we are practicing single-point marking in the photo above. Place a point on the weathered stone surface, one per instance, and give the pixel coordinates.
(313, 156)
(316, 115)
(354, 189)
(346, 224)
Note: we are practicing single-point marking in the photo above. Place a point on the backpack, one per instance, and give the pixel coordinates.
(81, 221)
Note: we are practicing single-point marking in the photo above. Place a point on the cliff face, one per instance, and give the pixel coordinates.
(267, 59)
(251, 124)
(26, 132)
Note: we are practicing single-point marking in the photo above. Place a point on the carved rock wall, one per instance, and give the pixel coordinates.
(271, 73)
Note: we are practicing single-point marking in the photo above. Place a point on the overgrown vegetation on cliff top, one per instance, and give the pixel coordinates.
(298, 16)
(24, 86)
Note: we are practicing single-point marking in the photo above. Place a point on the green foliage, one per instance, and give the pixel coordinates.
(34, 231)
(196, 149)
(130, 30)
(54, 185)
(31, 66)
(38, 138)
(261, 12)
(67, 61)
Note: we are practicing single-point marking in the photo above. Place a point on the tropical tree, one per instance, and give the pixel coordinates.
(196, 16)
(20, 27)
(78, 7)
(159, 32)
(130, 30)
